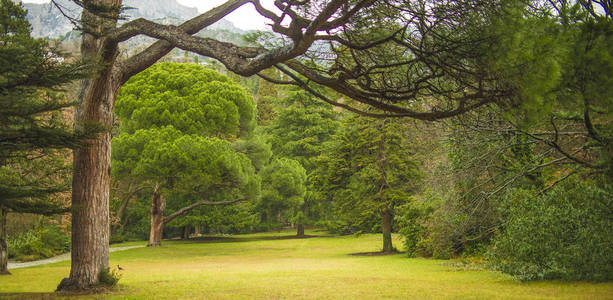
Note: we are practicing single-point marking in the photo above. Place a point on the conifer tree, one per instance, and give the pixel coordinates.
(33, 136)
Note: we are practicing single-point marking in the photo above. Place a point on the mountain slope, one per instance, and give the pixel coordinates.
(48, 21)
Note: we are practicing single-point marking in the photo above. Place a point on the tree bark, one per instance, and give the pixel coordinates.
(386, 228)
(158, 206)
(92, 164)
(4, 252)
(197, 230)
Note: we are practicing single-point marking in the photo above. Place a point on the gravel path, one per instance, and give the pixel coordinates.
(63, 257)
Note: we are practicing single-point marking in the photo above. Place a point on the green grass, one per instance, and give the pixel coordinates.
(260, 266)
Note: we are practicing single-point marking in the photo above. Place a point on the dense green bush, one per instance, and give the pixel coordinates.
(565, 234)
(409, 222)
(46, 240)
(108, 277)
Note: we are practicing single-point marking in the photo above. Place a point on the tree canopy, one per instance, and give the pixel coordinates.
(191, 98)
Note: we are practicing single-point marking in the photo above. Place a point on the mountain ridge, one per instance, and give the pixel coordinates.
(48, 21)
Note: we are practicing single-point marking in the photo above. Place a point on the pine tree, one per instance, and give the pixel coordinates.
(368, 170)
(33, 135)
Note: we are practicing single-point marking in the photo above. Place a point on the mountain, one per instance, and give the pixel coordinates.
(48, 21)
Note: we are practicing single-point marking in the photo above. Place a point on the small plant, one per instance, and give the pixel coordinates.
(108, 277)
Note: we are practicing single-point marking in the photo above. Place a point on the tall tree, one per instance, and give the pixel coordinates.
(284, 188)
(428, 69)
(299, 131)
(161, 105)
(368, 170)
(33, 138)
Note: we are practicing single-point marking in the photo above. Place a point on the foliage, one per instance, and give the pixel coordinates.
(45, 240)
(411, 217)
(232, 219)
(301, 127)
(565, 233)
(283, 188)
(108, 277)
(34, 134)
(557, 126)
(191, 98)
(256, 148)
(368, 166)
(176, 123)
(266, 97)
(185, 164)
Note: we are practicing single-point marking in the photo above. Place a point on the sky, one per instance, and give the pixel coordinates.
(245, 18)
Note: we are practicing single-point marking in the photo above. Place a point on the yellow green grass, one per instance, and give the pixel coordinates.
(263, 266)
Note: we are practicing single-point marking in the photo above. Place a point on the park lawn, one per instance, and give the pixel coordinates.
(266, 266)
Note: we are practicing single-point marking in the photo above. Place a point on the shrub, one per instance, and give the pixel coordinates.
(45, 240)
(565, 234)
(106, 277)
(410, 228)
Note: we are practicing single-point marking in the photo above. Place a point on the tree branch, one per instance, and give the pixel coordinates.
(155, 52)
(204, 202)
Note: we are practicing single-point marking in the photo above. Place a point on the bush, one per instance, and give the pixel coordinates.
(46, 240)
(411, 228)
(565, 234)
(108, 277)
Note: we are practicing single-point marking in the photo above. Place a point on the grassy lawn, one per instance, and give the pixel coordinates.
(264, 266)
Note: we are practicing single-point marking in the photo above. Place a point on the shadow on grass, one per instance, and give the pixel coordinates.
(96, 293)
(30, 296)
(377, 253)
(231, 239)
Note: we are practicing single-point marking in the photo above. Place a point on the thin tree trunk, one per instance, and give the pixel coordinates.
(158, 206)
(186, 230)
(386, 228)
(4, 252)
(300, 222)
(124, 205)
(197, 230)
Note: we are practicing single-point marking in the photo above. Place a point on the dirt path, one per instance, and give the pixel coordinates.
(62, 257)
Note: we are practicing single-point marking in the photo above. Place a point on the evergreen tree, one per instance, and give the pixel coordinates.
(368, 170)
(266, 97)
(284, 189)
(177, 121)
(300, 129)
(33, 135)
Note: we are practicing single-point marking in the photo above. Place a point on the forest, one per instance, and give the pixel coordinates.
(384, 147)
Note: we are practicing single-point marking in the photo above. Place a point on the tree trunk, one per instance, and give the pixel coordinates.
(186, 230)
(4, 252)
(124, 205)
(197, 230)
(386, 228)
(91, 180)
(300, 222)
(158, 206)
